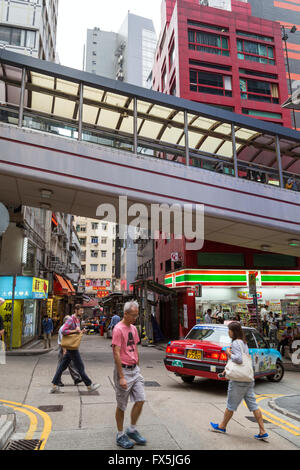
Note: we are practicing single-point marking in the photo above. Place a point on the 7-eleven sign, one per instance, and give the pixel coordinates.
(254, 281)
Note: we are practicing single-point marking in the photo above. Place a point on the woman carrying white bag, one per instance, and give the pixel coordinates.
(239, 372)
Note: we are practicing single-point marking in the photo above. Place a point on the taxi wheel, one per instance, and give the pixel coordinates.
(279, 373)
(187, 378)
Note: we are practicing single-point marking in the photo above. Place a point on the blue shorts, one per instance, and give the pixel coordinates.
(237, 391)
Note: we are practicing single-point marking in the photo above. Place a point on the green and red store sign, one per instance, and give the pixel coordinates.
(230, 278)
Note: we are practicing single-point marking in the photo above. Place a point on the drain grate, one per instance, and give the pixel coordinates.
(152, 384)
(253, 420)
(23, 444)
(51, 408)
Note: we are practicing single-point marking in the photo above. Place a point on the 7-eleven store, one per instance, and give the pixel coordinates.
(229, 289)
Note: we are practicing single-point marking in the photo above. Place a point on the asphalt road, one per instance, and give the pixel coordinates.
(176, 415)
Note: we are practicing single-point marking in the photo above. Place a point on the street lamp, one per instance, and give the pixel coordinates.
(285, 38)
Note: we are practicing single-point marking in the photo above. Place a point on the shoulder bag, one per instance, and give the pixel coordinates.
(72, 341)
(240, 372)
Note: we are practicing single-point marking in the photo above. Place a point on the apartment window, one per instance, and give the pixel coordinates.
(257, 90)
(94, 254)
(82, 228)
(94, 53)
(168, 266)
(173, 88)
(104, 226)
(94, 268)
(161, 266)
(172, 55)
(163, 78)
(103, 254)
(82, 241)
(248, 50)
(17, 37)
(259, 37)
(94, 225)
(260, 114)
(94, 240)
(209, 65)
(212, 83)
(207, 42)
(103, 268)
(103, 240)
(208, 26)
(257, 73)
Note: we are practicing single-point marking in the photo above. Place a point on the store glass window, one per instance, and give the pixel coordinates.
(29, 320)
(208, 42)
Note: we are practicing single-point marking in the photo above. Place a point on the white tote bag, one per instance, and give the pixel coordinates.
(240, 372)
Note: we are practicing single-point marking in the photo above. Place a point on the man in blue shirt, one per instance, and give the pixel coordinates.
(47, 330)
(115, 319)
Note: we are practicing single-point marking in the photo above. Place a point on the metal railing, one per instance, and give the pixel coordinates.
(151, 148)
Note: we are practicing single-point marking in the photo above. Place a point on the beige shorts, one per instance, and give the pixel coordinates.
(135, 387)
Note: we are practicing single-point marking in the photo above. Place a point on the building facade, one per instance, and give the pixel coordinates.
(221, 57)
(97, 243)
(217, 53)
(127, 55)
(288, 15)
(29, 27)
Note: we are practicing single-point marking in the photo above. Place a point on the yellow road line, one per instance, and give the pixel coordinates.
(46, 419)
(32, 418)
(278, 420)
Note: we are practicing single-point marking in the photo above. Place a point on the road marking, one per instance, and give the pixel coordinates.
(278, 420)
(46, 419)
(32, 418)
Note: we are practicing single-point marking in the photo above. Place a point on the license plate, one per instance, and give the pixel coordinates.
(194, 354)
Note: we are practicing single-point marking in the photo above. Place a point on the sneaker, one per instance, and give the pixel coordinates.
(93, 387)
(55, 389)
(135, 435)
(215, 428)
(125, 442)
(78, 381)
(261, 436)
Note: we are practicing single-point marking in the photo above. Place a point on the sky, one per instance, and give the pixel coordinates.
(76, 16)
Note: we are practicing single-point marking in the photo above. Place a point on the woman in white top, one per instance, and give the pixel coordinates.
(237, 391)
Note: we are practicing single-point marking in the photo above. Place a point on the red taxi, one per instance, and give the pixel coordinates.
(203, 354)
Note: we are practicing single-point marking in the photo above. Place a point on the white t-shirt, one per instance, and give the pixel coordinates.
(264, 314)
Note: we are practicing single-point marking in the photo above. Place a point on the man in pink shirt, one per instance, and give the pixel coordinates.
(127, 377)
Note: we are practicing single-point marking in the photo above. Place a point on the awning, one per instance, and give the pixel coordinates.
(92, 303)
(61, 286)
(73, 292)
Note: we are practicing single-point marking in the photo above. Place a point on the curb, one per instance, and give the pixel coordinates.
(274, 406)
(28, 352)
(7, 426)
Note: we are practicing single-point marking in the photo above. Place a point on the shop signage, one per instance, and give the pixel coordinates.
(26, 288)
(252, 283)
(102, 293)
(50, 307)
(174, 257)
(40, 288)
(230, 278)
(246, 296)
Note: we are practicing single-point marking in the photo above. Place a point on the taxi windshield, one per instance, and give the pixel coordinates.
(215, 335)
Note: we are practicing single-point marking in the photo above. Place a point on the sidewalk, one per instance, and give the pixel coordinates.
(33, 348)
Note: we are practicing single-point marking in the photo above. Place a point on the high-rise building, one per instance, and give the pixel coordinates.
(127, 55)
(29, 27)
(97, 242)
(219, 54)
(216, 52)
(288, 15)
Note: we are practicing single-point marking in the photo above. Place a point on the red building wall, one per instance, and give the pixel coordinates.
(177, 13)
